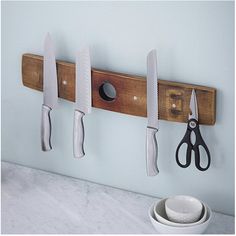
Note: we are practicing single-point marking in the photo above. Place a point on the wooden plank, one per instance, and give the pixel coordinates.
(130, 91)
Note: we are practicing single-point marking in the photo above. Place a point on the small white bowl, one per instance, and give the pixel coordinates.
(183, 209)
(166, 229)
(160, 214)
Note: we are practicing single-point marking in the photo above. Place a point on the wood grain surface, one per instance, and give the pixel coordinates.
(130, 98)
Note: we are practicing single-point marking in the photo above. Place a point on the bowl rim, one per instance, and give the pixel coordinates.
(151, 212)
(175, 224)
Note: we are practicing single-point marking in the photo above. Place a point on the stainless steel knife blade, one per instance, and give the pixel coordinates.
(152, 90)
(83, 81)
(50, 91)
(152, 114)
(83, 99)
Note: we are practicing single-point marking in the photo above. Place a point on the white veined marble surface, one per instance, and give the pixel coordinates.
(35, 201)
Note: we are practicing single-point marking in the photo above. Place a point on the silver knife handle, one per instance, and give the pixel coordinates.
(46, 128)
(151, 152)
(78, 134)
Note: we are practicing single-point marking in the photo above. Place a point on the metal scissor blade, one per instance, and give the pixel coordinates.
(193, 106)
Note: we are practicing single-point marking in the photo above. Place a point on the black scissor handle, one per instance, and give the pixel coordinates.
(185, 140)
(199, 142)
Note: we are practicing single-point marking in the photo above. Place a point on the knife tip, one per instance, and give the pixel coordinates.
(153, 52)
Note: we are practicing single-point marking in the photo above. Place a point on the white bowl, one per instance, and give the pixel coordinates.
(160, 214)
(166, 229)
(183, 209)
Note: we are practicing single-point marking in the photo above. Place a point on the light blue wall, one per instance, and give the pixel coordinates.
(195, 43)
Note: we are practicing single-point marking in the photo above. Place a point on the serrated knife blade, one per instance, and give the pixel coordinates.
(152, 90)
(152, 114)
(50, 92)
(83, 81)
(83, 99)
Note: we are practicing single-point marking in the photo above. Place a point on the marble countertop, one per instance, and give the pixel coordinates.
(35, 201)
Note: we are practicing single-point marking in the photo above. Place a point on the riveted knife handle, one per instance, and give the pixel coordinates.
(78, 142)
(46, 128)
(151, 152)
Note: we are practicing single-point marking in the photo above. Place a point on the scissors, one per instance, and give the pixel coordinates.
(193, 126)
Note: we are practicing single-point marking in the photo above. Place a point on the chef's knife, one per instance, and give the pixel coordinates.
(83, 99)
(50, 92)
(152, 114)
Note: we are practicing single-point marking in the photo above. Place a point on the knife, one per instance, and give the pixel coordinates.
(50, 92)
(83, 99)
(152, 114)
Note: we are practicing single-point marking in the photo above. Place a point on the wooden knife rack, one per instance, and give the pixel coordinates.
(130, 98)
